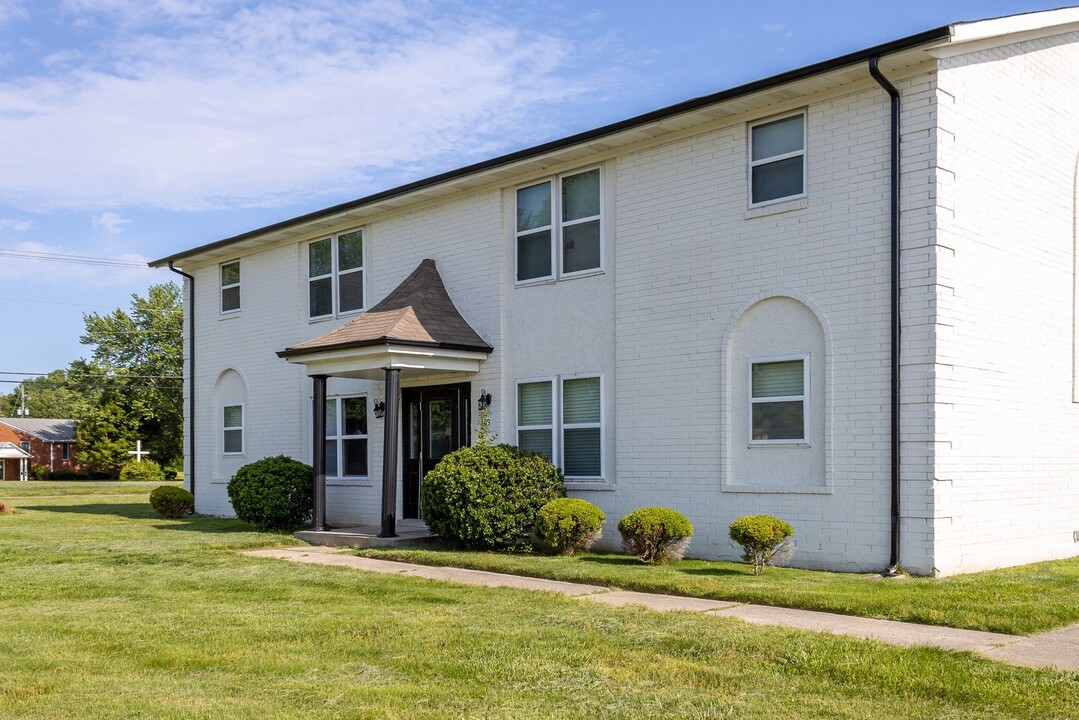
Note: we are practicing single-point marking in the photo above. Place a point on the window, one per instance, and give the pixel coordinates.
(563, 239)
(777, 159)
(535, 417)
(25, 445)
(575, 441)
(581, 428)
(335, 272)
(233, 425)
(777, 400)
(230, 286)
(346, 437)
(65, 451)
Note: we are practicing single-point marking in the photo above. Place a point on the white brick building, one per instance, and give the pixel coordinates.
(693, 308)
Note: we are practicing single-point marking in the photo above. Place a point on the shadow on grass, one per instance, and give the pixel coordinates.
(133, 511)
(143, 511)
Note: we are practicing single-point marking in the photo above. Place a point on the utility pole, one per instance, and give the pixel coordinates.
(21, 411)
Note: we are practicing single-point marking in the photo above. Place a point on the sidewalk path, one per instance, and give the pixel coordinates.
(1058, 649)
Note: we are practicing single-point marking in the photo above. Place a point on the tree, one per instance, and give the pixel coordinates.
(48, 396)
(136, 365)
(105, 435)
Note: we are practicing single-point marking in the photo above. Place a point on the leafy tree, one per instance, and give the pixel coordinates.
(136, 365)
(49, 396)
(105, 435)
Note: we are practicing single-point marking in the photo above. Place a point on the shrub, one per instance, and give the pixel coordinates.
(39, 472)
(102, 475)
(569, 524)
(275, 493)
(763, 539)
(170, 474)
(68, 475)
(655, 534)
(487, 496)
(171, 502)
(145, 471)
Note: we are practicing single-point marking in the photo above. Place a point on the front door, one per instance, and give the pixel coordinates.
(435, 422)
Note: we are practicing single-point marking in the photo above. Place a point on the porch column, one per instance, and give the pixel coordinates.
(318, 451)
(389, 453)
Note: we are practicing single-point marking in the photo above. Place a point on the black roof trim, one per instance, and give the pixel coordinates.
(289, 352)
(905, 43)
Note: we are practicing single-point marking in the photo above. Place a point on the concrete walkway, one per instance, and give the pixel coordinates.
(1058, 649)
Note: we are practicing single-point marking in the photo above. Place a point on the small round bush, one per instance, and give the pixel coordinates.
(487, 496)
(655, 534)
(171, 501)
(569, 524)
(275, 493)
(761, 538)
(145, 471)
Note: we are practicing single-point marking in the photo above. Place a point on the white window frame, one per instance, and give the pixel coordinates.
(224, 287)
(803, 153)
(804, 398)
(340, 437)
(553, 380)
(558, 427)
(579, 426)
(240, 427)
(557, 225)
(335, 274)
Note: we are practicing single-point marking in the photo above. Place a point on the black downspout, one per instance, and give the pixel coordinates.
(191, 381)
(893, 565)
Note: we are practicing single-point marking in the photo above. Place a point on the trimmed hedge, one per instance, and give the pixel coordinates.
(760, 536)
(488, 496)
(171, 502)
(569, 524)
(655, 534)
(275, 493)
(145, 471)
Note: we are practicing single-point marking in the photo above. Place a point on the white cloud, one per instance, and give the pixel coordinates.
(16, 225)
(111, 222)
(204, 104)
(10, 9)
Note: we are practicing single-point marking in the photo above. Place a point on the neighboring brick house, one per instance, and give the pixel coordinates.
(729, 306)
(50, 442)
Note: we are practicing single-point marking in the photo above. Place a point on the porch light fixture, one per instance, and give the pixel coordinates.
(379, 408)
(484, 400)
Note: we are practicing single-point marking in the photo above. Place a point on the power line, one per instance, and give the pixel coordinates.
(73, 259)
(97, 375)
(55, 302)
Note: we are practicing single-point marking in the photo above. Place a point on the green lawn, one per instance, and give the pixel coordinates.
(107, 611)
(1020, 601)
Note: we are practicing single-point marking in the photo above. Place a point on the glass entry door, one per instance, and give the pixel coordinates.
(435, 423)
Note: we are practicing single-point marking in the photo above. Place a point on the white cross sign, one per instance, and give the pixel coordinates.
(138, 452)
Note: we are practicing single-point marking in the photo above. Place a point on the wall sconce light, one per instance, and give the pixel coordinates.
(380, 409)
(484, 400)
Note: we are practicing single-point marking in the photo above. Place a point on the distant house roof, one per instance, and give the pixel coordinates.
(48, 429)
(418, 312)
(11, 451)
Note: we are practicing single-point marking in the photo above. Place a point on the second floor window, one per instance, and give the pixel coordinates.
(564, 238)
(777, 168)
(230, 286)
(335, 274)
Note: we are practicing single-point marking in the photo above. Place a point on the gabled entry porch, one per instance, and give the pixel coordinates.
(416, 332)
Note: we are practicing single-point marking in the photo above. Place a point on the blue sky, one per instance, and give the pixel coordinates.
(133, 129)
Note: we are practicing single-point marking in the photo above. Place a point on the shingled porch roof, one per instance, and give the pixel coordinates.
(416, 327)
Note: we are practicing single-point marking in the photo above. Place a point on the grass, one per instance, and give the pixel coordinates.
(107, 611)
(1020, 601)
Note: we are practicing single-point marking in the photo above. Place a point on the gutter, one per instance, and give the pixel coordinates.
(191, 384)
(893, 94)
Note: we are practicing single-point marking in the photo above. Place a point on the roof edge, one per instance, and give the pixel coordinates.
(928, 36)
(289, 352)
